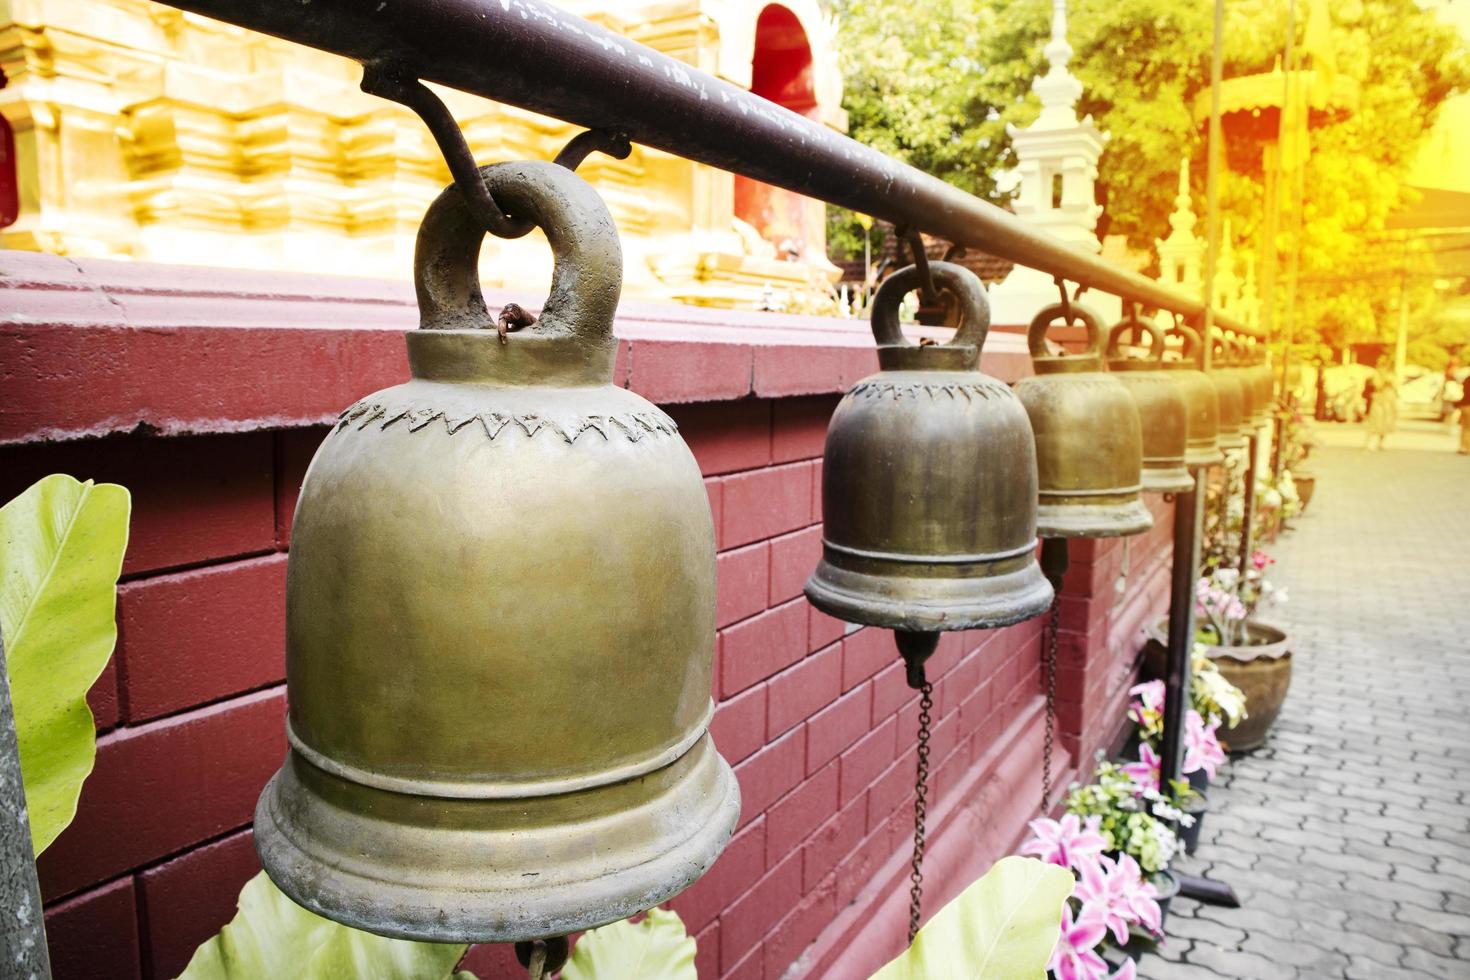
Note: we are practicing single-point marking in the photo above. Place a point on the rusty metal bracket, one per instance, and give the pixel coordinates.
(396, 82)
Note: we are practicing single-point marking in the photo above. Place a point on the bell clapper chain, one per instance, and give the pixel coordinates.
(1054, 561)
(917, 648)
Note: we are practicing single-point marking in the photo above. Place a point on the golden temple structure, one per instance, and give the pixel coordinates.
(143, 132)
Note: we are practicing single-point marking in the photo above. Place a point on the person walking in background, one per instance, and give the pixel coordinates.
(1462, 409)
(1381, 393)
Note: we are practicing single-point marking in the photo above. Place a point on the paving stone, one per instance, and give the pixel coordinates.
(1398, 934)
(1237, 963)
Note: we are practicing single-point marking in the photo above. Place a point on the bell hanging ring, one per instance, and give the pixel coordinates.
(929, 482)
(1162, 411)
(1201, 400)
(1089, 442)
(500, 619)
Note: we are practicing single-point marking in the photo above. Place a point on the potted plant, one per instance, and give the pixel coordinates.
(1252, 656)
(1112, 900)
(1203, 753)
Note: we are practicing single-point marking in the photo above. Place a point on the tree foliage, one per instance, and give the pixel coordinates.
(937, 85)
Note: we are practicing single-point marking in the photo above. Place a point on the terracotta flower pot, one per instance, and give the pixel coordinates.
(1262, 670)
(1306, 485)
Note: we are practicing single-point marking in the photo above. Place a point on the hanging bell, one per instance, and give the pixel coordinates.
(1232, 397)
(500, 619)
(1237, 364)
(1265, 383)
(1162, 412)
(1202, 447)
(929, 482)
(1089, 442)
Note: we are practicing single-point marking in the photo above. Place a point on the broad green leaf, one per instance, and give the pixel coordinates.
(1004, 925)
(272, 936)
(61, 549)
(657, 948)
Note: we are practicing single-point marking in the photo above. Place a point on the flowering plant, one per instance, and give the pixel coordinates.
(1226, 601)
(1202, 722)
(1111, 896)
(1131, 816)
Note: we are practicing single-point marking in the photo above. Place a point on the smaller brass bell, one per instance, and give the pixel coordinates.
(1162, 411)
(1253, 407)
(1202, 447)
(929, 484)
(1232, 400)
(1265, 382)
(1089, 442)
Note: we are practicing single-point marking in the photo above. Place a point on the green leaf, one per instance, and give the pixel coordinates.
(657, 948)
(272, 936)
(1004, 925)
(61, 549)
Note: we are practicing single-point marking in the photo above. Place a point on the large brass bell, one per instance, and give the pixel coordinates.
(1232, 398)
(1089, 442)
(500, 619)
(929, 483)
(1162, 411)
(1200, 399)
(1252, 407)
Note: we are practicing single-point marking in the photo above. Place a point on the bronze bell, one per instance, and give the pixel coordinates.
(1265, 383)
(1089, 442)
(500, 619)
(1202, 447)
(1232, 399)
(929, 483)
(1252, 406)
(1162, 411)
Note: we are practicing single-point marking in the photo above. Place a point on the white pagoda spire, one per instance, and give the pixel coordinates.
(1181, 253)
(1055, 177)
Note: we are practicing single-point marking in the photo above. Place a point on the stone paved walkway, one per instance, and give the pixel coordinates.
(1347, 836)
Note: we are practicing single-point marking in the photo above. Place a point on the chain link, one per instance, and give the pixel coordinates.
(1051, 703)
(921, 810)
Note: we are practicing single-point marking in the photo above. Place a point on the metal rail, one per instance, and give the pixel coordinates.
(538, 57)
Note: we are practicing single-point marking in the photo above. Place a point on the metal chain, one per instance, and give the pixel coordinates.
(1050, 667)
(921, 810)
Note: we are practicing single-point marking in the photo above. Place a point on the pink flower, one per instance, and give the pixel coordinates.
(1128, 971)
(1145, 773)
(1074, 958)
(1100, 892)
(1064, 842)
(1201, 746)
(1139, 894)
(1259, 559)
(1149, 700)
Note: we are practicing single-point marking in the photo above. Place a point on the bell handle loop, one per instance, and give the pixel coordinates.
(964, 285)
(1069, 312)
(1138, 328)
(588, 274)
(1191, 349)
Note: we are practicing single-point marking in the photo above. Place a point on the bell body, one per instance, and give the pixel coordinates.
(1232, 408)
(1089, 443)
(1164, 420)
(1202, 405)
(929, 487)
(500, 626)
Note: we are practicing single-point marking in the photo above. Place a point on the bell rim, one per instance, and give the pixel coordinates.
(1093, 520)
(561, 907)
(1031, 596)
(1171, 480)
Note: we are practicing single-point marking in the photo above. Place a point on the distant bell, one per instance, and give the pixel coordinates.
(500, 619)
(1232, 398)
(1200, 399)
(1162, 411)
(1089, 442)
(929, 482)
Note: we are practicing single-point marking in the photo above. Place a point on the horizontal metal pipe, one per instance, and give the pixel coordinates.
(534, 55)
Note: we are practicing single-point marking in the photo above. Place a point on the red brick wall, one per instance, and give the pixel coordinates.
(815, 718)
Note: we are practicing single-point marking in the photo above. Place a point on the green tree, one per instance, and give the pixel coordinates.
(937, 86)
